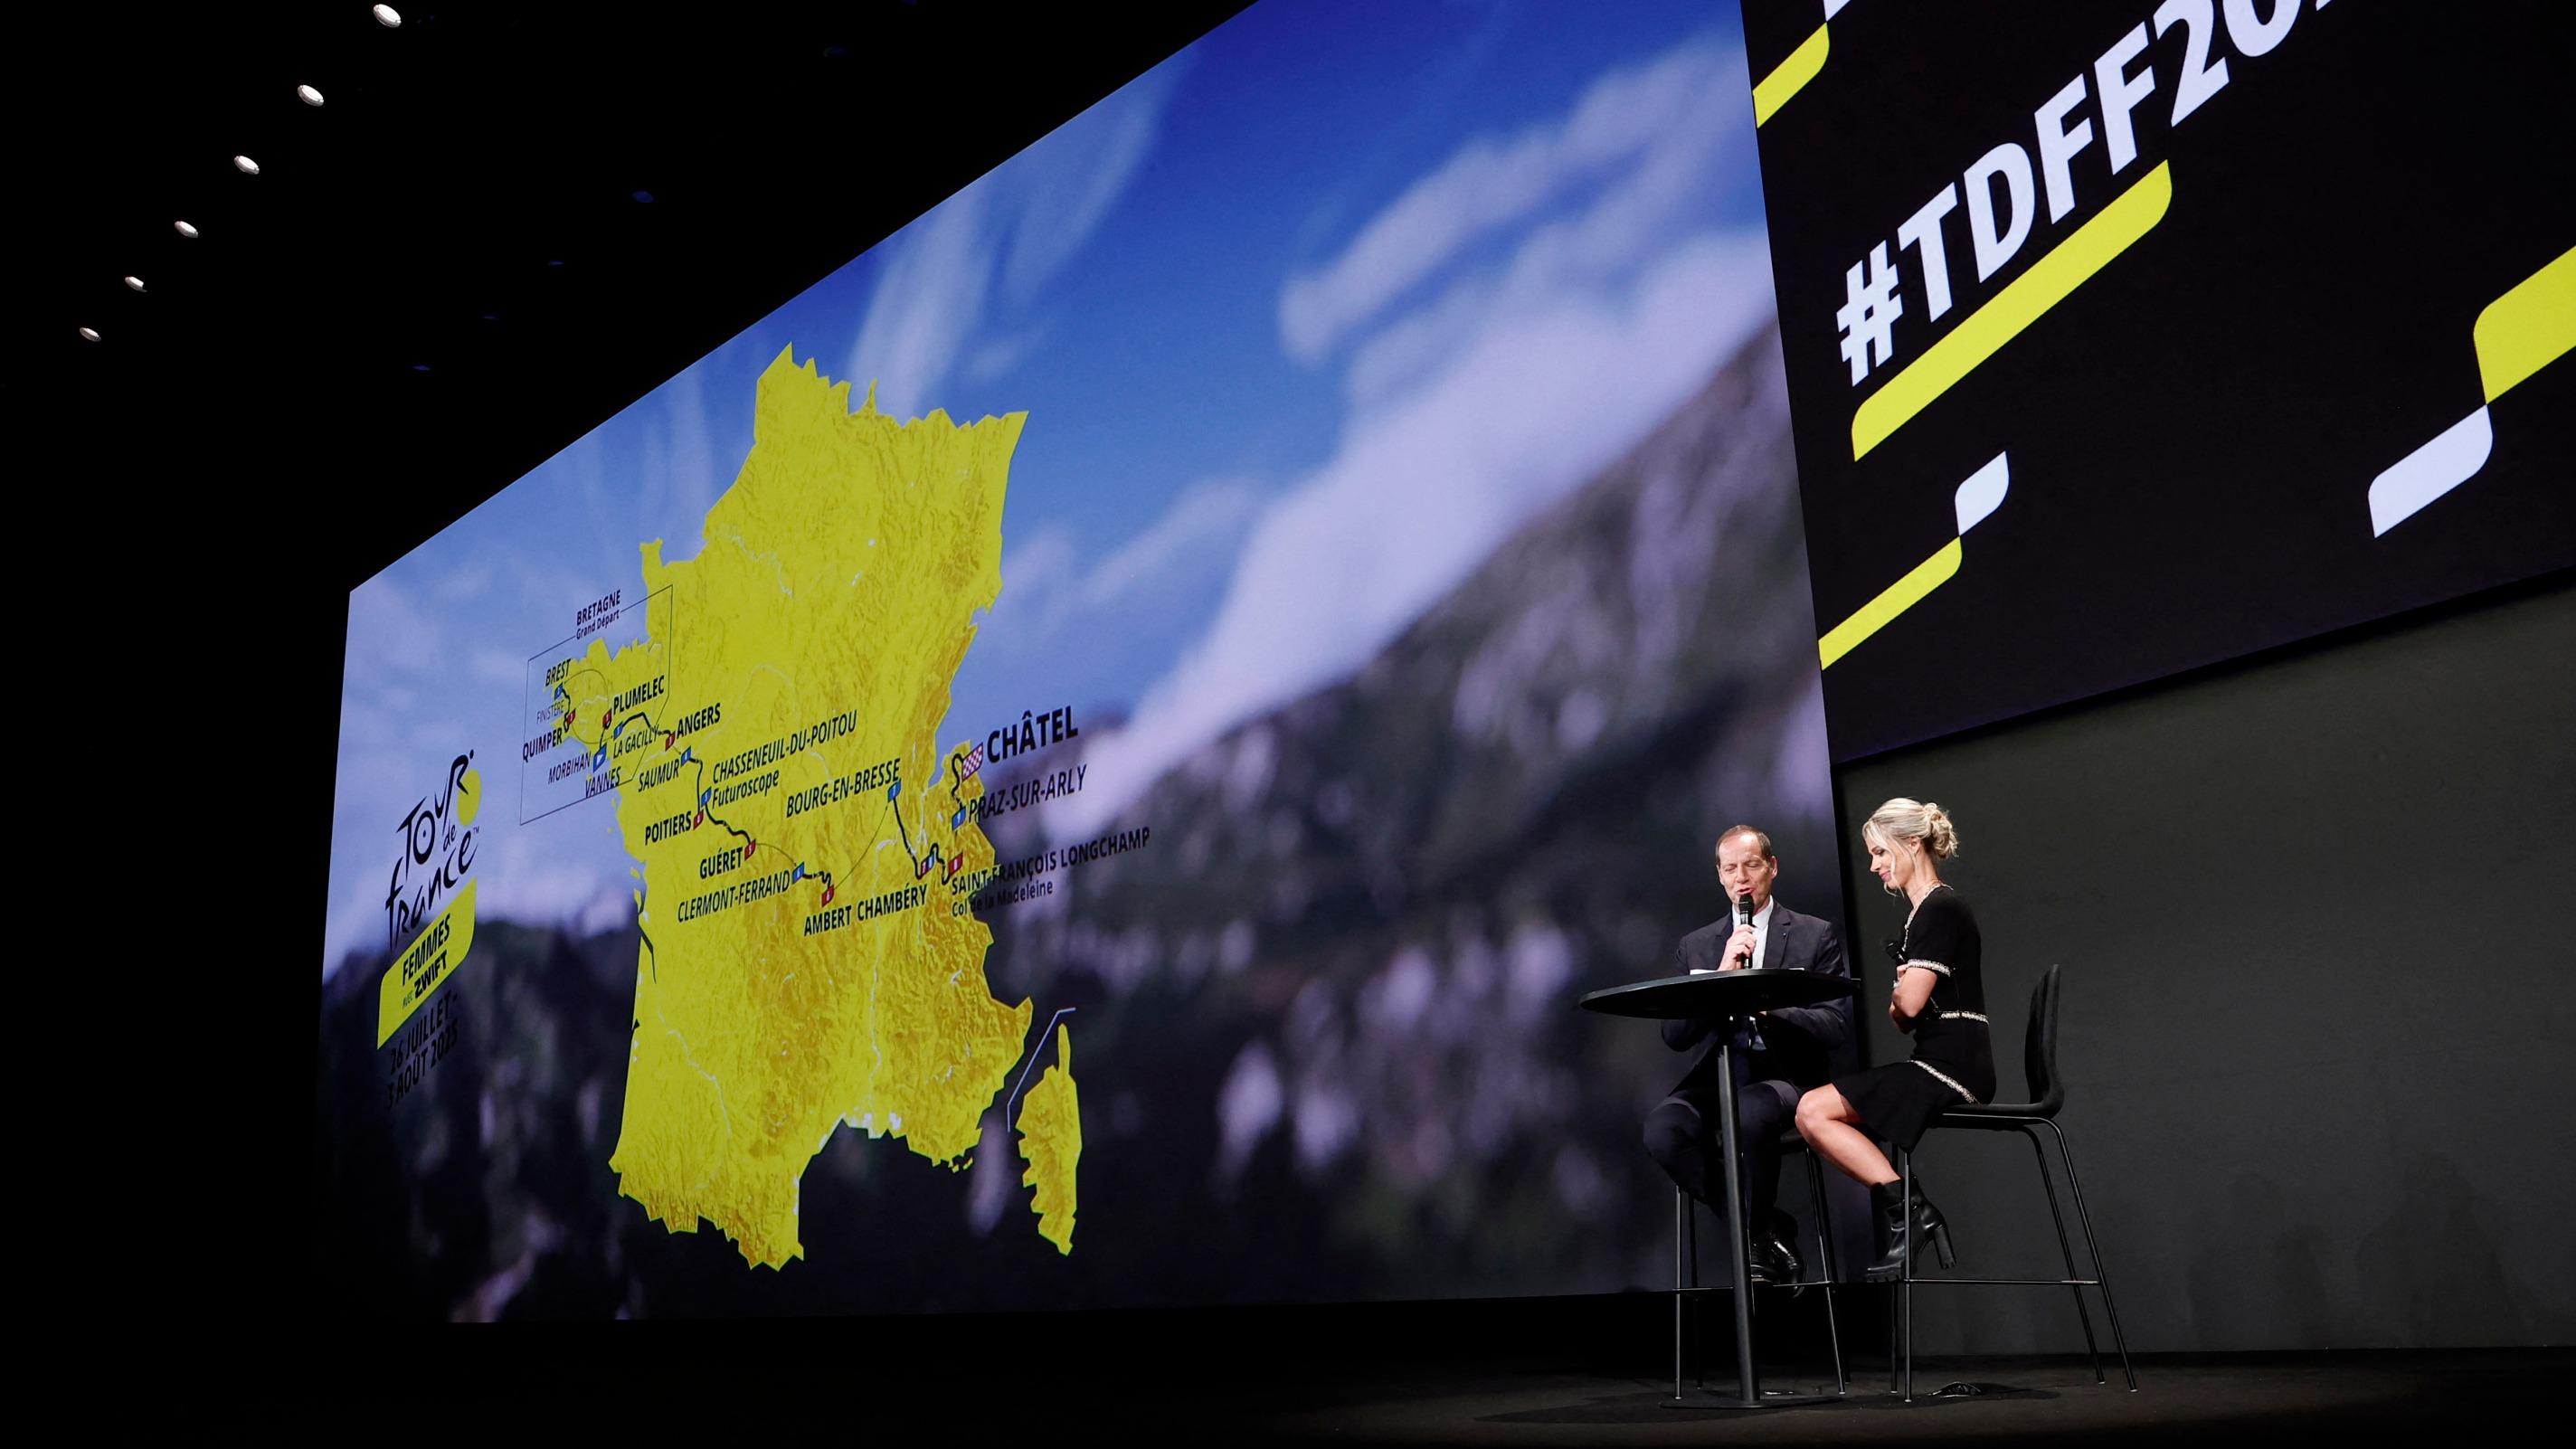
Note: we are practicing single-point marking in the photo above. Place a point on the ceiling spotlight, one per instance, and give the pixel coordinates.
(184, 229)
(388, 17)
(135, 282)
(90, 332)
(644, 196)
(245, 166)
(420, 367)
(308, 95)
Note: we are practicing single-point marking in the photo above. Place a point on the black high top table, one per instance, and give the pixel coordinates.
(1735, 997)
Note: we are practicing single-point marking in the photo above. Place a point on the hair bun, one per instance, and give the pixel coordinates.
(1917, 820)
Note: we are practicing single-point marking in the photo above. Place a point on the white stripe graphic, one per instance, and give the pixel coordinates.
(2454, 455)
(1983, 492)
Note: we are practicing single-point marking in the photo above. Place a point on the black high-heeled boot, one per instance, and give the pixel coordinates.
(1889, 1198)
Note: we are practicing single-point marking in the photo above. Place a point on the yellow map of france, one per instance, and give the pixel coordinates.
(809, 959)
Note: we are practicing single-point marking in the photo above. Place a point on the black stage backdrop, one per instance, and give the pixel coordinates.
(2179, 462)
(2316, 1020)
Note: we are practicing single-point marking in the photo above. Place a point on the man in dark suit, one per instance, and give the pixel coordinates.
(1780, 1055)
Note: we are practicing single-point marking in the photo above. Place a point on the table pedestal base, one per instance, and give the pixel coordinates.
(1771, 1399)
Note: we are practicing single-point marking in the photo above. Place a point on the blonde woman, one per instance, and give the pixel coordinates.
(1939, 999)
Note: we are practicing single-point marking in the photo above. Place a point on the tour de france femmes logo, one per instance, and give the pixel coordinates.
(429, 899)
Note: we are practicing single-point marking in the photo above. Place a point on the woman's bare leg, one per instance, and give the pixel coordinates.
(1825, 1120)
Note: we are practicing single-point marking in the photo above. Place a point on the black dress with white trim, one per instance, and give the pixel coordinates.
(1954, 1058)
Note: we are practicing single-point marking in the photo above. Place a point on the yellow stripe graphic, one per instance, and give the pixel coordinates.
(428, 961)
(2517, 334)
(2527, 328)
(1785, 80)
(1898, 597)
(2023, 301)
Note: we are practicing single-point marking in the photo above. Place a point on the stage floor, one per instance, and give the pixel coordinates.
(2371, 1393)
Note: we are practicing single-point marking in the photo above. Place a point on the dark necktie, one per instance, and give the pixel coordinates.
(1750, 1038)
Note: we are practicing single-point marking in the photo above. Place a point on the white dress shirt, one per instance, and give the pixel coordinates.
(1761, 936)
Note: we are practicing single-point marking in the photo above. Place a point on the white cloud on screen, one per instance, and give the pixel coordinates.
(356, 913)
(1483, 404)
(1693, 94)
(1093, 158)
(1205, 512)
(393, 629)
(467, 584)
(521, 883)
(693, 476)
(388, 633)
(1048, 594)
(1037, 584)
(1803, 774)
(1018, 226)
(571, 569)
(1001, 355)
(1423, 493)
(498, 667)
(1590, 250)
(929, 298)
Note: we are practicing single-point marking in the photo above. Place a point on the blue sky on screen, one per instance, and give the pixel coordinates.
(1306, 320)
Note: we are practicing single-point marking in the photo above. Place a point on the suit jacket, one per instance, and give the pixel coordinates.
(1795, 1039)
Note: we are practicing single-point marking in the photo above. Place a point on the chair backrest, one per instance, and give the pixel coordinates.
(2039, 1048)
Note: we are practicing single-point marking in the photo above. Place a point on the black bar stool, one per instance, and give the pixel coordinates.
(2048, 1097)
(1689, 1235)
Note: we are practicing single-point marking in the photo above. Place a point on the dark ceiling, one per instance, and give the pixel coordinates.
(449, 270)
(439, 277)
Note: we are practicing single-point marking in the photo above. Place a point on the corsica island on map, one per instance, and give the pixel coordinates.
(809, 959)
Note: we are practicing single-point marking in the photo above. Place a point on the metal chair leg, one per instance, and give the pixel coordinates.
(1825, 1261)
(2067, 1251)
(1892, 1366)
(1895, 1351)
(2101, 1274)
(1905, 1277)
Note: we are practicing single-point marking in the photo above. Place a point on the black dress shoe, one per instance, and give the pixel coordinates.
(1770, 1260)
(1928, 1225)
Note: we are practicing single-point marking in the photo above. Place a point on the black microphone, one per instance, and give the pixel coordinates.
(1744, 909)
